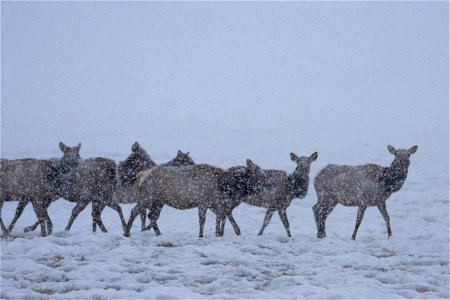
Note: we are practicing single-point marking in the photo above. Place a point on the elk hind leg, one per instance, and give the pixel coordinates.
(359, 217)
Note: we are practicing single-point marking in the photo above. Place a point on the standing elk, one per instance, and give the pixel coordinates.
(26, 180)
(77, 180)
(362, 186)
(189, 187)
(279, 189)
(140, 162)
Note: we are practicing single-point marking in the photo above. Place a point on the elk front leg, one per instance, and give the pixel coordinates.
(134, 213)
(266, 222)
(46, 204)
(39, 211)
(20, 207)
(97, 209)
(202, 219)
(75, 212)
(117, 208)
(361, 210)
(143, 217)
(384, 213)
(236, 228)
(284, 220)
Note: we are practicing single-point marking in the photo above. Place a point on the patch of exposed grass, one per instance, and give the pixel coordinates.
(45, 291)
(166, 245)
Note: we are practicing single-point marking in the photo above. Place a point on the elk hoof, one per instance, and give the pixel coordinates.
(321, 234)
(126, 234)
(28, 229)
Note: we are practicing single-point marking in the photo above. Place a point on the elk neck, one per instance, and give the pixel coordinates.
(298, 184)
(394, 176)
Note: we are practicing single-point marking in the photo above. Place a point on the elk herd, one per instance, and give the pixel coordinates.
(183, 184)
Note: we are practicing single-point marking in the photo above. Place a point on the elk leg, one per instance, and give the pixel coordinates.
(317, 217)
(324, 213)
(20, 207)
(5, 232)
(49, 223)
(155, 211)
(2, 225)
(75, 212)
(266, 222)
(38, 210)
(236, 228)
(202, 219)
(143, 217)
(117, 208)
(220, 225)
(134, 212)
(97, 209)
(361, 210)
(153, 214)
(384, 213)
(284, 220)
(46, 204)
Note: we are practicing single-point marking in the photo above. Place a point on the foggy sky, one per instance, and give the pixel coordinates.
(223, 78)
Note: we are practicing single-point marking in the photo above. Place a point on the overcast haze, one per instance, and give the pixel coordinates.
(213, 78)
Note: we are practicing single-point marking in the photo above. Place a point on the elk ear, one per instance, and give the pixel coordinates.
(179, 153)
(313, 157)
(62, 147)
(78, 146)
(391, 149)
(250, 164)
(293, 156)
(187, 153)
(135, 147)
(413, 149)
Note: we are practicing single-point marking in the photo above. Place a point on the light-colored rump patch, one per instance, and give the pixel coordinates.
(142, 175)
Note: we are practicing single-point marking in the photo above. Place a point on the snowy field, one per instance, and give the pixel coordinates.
(230, 81)
(178, 265)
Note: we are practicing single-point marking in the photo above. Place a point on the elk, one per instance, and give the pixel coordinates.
(139, 162)
(362, 186)
(189, 187)
(61, 173)
(26, 180)
(279, 189)
(77, 180)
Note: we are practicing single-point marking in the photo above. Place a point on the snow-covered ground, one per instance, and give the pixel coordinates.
(230, 81)
(178, 265)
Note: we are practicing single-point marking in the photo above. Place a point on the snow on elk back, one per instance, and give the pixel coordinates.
(362, 186)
